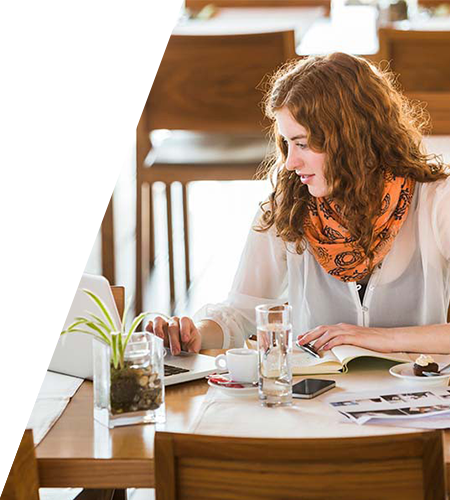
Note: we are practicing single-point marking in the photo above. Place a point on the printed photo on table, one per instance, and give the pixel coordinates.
(393, 398)
(344, 403)
(375, 413)
(414, 396)
(422, 410)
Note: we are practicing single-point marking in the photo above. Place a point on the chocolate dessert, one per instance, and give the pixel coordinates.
(425, 364)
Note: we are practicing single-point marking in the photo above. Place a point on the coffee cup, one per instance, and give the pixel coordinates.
(242, 364)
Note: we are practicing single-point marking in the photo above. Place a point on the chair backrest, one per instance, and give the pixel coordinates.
(199, 4)
(431, 4)
(405, 466)
(209, 83)
(119, 298)
(422, 61)
(23, 480)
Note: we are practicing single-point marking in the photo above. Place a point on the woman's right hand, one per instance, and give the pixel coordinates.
(178, 333)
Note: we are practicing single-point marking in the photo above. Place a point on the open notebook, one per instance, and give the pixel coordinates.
(337, 359)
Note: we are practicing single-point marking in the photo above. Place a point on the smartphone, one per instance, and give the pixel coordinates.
(311, 387)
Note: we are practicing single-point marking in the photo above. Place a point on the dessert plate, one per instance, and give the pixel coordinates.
(405, 372)
(231, 388)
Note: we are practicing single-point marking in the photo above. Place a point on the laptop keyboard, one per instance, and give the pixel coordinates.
(173, 370)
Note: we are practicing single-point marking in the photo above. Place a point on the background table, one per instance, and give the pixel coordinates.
(229, 21)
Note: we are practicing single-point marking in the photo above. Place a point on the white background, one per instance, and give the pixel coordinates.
(75, 78)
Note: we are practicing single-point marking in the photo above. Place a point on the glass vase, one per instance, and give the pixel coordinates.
(131, 393)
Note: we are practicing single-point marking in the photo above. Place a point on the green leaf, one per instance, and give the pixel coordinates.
(78, 321)
(134, 325)
(100, 323)
(87, 333)
(106, 331)
(91, 324)
(125, 314)
(103, 308)
(114, 351)
(72, 328)
(122, 330)
(98, 330)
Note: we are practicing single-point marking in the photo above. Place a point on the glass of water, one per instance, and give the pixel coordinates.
(274, 327)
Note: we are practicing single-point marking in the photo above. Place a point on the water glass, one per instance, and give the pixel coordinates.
(274, 332)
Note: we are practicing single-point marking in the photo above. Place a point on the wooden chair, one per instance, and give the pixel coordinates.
(206, 89)
(395, 467)
(422, 61)
(108, 243)
(119, 298)
(23, 480)
(432, 4)
(197, 5)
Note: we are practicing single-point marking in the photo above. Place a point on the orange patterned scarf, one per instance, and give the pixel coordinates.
(334, 247)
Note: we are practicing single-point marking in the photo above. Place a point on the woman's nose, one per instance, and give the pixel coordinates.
(292, 162)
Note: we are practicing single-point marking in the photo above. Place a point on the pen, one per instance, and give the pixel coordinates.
(309, 349)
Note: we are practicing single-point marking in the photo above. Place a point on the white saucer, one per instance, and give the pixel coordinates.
(405, 372)
(235, 391)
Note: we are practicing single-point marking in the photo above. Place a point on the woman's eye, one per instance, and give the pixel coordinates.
(301, 145)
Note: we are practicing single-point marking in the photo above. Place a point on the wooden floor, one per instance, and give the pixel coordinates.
(221, 214)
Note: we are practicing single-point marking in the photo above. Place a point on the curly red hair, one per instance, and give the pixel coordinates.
(353, 113)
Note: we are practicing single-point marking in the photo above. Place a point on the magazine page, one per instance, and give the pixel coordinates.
(362, 407)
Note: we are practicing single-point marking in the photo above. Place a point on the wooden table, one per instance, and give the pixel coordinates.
(229, 21)
(352, 29)
(80, 452)
(348, 29)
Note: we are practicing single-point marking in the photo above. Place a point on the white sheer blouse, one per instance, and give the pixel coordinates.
(411, 286)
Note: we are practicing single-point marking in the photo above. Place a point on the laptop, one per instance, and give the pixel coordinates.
(73, 353)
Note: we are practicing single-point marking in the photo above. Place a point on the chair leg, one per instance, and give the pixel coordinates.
(151, 218)
(89, 494)
(119, 495)
(170, 245)
(107, 238)
(139, 282)
(186, 233)
(145, 236)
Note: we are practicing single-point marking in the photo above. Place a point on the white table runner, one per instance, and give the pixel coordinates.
(53, 397)
(56, 385)
(223, 415)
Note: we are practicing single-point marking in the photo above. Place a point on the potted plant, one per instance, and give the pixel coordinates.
(128, 367)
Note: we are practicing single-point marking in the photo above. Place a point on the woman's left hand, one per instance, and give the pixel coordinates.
(328, 336)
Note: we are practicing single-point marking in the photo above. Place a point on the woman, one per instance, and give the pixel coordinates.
(356, 233)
